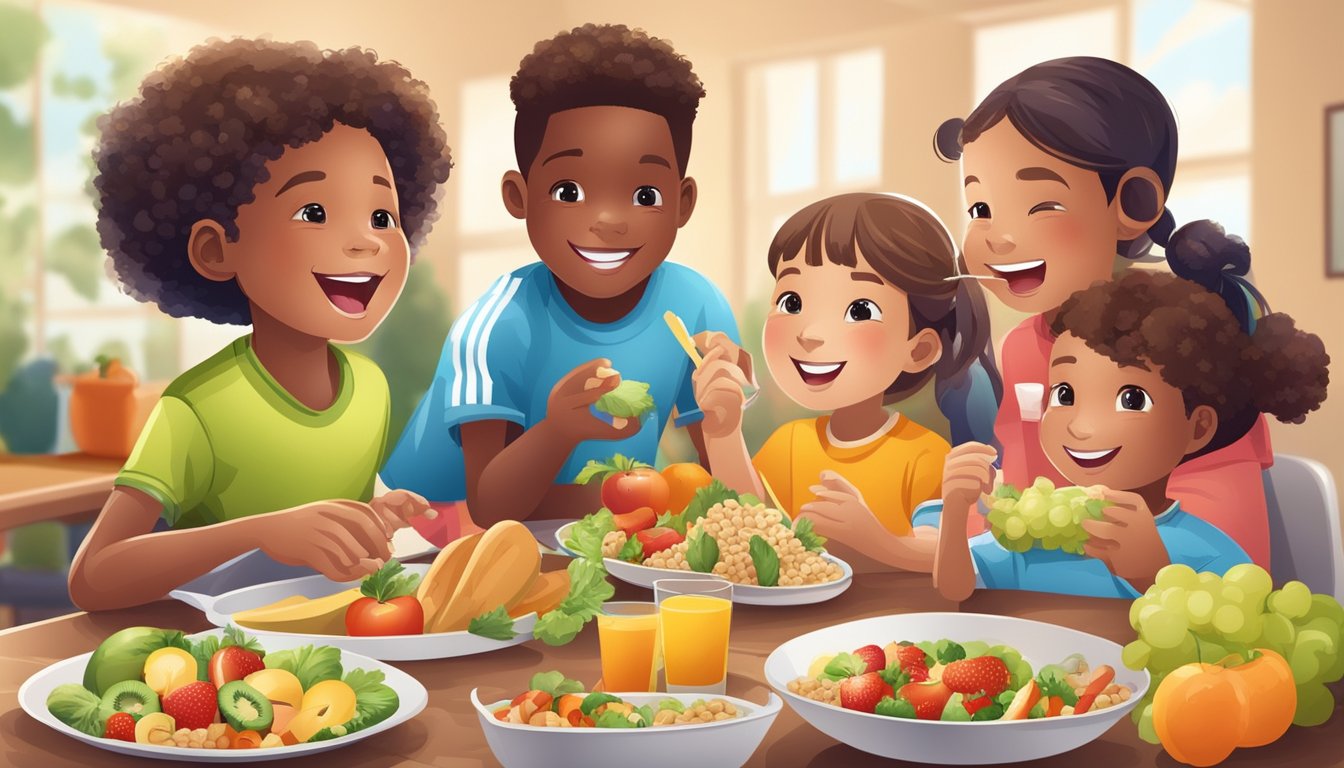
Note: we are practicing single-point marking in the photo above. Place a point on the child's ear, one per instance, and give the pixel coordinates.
(1139, 202)
(925, 350)
(208, 252)
(1203, 425)
(513, 189)
(686, 201)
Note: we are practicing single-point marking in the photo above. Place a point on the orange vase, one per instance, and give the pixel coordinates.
(105, 414)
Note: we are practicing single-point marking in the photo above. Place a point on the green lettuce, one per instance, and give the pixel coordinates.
(585, 536)
(78, 708)
(311, 664)
(588, 590)
(629, 400)
(374, 702)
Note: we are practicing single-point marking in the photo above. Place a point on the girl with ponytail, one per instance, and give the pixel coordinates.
(866, 314)
(1067, 167)
(1148, 373)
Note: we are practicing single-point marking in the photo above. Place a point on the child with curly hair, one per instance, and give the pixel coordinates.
(1146, 373)
(282, 186)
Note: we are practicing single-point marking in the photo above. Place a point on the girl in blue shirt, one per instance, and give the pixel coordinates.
(1147, 371)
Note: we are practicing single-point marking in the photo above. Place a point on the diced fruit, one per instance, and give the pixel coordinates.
(132, 697)
(818, 665)
(1026, 698)
(278, 686)
(168, 669)
(330, 702)
(244, 707)
(271, 741)
(155, 728)
(1101, 678)
(976, 703)
(912, 659)
(569, 707)
(233, 662)
(873, 656)
(192, 706)
(862, 692)
(658, 539)
(987, 674)
(635, 521)
(531, 702)
(120, 726)
(929, 698)
(247, 740)
(288, 739)
(281, 715)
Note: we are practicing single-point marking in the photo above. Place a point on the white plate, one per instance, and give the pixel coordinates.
(947, 743)
(747, 594)
(725, 743)
(33, 698)
(219, 611)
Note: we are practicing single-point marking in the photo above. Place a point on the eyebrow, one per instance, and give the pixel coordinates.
(382, 181)
(301, 178)
(788, 271)
(970, 179)
(576, 152)
(656, 160)
(868, 276)
(1064, 359)
(1036, 173)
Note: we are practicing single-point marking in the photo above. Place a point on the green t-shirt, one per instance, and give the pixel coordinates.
(227, 441)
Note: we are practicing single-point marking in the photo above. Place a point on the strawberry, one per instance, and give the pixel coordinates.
(873, 656)
(913, 662)
(233, 662)
(974, 704)
(929, 699)
(983, 674)
(120, 726)
(193, 705)
(862, 692)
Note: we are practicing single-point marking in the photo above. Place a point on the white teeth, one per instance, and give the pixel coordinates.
(1021, 266)
(819, 370)
(359, 279)
(1089, 455)
(604, 259)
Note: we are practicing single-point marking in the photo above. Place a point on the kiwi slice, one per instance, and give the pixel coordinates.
(244, 707)
(132, 697)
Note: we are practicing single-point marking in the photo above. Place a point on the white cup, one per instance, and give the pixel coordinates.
(1030, 400)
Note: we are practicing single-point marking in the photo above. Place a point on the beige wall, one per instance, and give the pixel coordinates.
(1297, 64)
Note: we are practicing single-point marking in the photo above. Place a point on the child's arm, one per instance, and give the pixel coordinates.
(968, 473)
(122, 563)
(718, 391)
(510, 476)
(841, 515)
(1126, 539)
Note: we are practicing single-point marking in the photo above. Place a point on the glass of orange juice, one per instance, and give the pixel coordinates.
(627, 633)
(694, 615)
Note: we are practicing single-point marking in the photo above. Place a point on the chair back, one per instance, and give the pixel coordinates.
(1304, 526)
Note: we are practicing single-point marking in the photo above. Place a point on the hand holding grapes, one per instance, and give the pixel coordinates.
(1126, 539)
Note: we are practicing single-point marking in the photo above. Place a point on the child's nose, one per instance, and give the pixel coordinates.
(1080, 428)
(808, 343)
(363, 246)
(1000, 244)
(607, 227)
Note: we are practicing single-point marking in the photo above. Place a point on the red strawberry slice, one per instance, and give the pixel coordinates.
(873, 656)
(120, 726)
(913, 662)
(974, 704)
(233, 662)
(983, 674)
(861, 693)
(192, 706)
(929, 699)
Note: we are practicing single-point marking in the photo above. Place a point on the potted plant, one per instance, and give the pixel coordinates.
(105, 415)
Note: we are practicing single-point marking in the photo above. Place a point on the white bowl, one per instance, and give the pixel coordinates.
(746, 594)
(219, 611)
(724, 743)
(412, 698)
(951, 743)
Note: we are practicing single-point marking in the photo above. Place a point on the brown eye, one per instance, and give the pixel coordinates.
(979, 211)
(1049, 205)
(862, 309)
(1132, 398)
(567, 192)
(1061, 395)
(789, 303)
(648, 197)
(312, 213)
(382, 219)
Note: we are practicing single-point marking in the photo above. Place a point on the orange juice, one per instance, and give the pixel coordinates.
(695, 639)
(629, 643)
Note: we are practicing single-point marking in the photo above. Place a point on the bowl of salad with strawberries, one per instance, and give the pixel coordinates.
(1012, 689)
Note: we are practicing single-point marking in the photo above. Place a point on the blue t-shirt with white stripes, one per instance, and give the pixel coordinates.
(508, 350)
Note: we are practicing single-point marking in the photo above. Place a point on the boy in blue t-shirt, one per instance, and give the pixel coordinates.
(602, 137)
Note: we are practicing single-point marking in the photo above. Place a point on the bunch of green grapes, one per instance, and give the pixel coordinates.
(1198, 617)
(1043, 516)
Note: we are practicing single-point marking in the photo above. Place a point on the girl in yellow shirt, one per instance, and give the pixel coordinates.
(865, 316)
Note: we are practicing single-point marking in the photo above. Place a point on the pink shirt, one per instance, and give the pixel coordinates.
(1224, 488)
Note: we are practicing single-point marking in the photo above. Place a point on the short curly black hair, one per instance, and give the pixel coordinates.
(195, 140)
(603, 65)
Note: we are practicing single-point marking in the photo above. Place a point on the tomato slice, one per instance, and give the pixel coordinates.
(638, 520)
(658, 539)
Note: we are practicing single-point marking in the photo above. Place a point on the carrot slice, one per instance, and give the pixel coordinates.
(1100, 679)
(1022, 703)
(247, 740)
(1053, 706)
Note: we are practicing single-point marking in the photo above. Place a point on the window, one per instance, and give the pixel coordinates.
(1003, 50)
(813, 128)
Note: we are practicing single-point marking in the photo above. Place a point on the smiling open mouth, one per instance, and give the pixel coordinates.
(816, 374)
(1091, 459)
(350, 293)
(1023, 277)
(604, 258)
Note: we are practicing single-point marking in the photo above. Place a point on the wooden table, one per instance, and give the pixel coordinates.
(447, 733)
(68, 487)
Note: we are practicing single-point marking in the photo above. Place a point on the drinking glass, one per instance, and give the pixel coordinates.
(694, 617)
(627, 633)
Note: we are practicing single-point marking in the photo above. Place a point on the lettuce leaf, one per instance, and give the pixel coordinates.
(811, 540)
(588, 590)
(705, 498)
(633, 551)
(556, 684)
(766, 561)
(374, 702)
(311, 664)
(702, 554)
(79, 708)
(585, 537)
(496, 625)
(629, 400)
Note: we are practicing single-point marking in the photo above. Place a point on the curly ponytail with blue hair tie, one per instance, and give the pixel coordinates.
(1203, 253)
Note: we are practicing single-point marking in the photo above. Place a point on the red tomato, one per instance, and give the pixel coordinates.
(633, 522)
(624, 492)
(398, 616)
(658, 539)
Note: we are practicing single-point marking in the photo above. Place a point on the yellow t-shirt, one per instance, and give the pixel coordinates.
(895, 469)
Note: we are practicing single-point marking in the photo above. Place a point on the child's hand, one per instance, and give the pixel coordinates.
(396, 508)
(718, 392)
(715, 345)
(839, 512)
(568, 409)
(968, 472)
(1126, 539)
(342, 540)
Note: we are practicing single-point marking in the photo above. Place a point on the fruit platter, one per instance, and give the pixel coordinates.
(713, 533)
(482, 592)
(219, 696)
(597, 729)
(956, 688)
